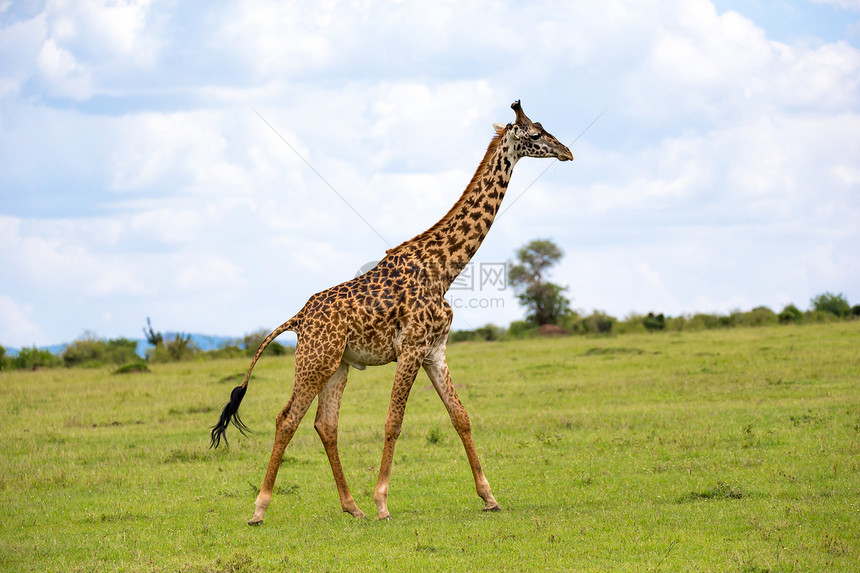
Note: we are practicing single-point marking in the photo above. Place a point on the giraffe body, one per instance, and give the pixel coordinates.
(394, 312)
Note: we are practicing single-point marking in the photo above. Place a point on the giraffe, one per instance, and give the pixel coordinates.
(395, 312)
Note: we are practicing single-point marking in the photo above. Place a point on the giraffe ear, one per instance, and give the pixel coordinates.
(499, 127)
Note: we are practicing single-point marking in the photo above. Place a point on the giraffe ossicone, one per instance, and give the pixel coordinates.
(396, 311)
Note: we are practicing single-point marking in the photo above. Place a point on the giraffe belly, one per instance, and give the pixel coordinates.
(360, 355)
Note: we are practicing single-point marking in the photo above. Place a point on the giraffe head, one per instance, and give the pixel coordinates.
(530, 139)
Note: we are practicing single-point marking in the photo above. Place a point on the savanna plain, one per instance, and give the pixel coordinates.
(724, 450)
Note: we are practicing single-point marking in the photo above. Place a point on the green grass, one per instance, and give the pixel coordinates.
(730, 450)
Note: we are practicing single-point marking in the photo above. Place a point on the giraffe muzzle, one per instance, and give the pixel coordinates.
(565, 155)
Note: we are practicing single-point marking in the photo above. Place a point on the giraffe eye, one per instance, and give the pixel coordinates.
(535, 135)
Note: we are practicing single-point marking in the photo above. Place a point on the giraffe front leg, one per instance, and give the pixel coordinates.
(407, 368)
(437, 370)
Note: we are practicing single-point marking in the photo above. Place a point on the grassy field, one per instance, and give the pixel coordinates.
(731, 450)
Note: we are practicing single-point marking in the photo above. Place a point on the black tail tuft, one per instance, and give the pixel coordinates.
(228, 415)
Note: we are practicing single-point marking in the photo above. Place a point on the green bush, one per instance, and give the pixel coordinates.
(598, 322)
(632, 324)
(819, 316)
(484, 333)
(829, 308)
(759, 316)
(568, 320)
(521, 329)
(835, 304)
(33, 359)
(702, 321)
(695, 323)
(93, 352)
(676, 323)
(252, 341)
(490, 332)
(639, 323)
(177, 349)
(248, 345)
(652, 322)
(229, 350)
(790, 314)
(132, 368)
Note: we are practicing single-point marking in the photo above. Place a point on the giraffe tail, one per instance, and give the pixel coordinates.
(230, 413)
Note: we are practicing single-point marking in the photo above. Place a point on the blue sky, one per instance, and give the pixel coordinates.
(138, 179)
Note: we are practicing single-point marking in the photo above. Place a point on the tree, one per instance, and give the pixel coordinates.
(152, 337)
(542, 299)
(180, 347)
(833, 303)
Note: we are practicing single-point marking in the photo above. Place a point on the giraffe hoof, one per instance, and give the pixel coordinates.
(386, 517)
(493, 508)
(255, 522)
(356, 513)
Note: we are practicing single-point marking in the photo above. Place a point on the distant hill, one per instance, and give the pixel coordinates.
(54, 349)
(205, 342)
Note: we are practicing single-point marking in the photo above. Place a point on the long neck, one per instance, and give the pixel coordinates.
(447, 247)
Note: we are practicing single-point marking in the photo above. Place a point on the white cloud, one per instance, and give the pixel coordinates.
(175, 149)
(824, 78)
(80, 49)
(274, 38)
(709, 69)
(66, 254)
(172, 226)
(64, 75)
(102, 32)
(211, 272)
(20, 44)
(18, 327)
(725, 169)
(648, 274)
(704, 49)
(848, 175)
(846, 4)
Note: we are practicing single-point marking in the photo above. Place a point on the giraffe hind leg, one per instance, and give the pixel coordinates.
(317, 360)
(328, 409)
